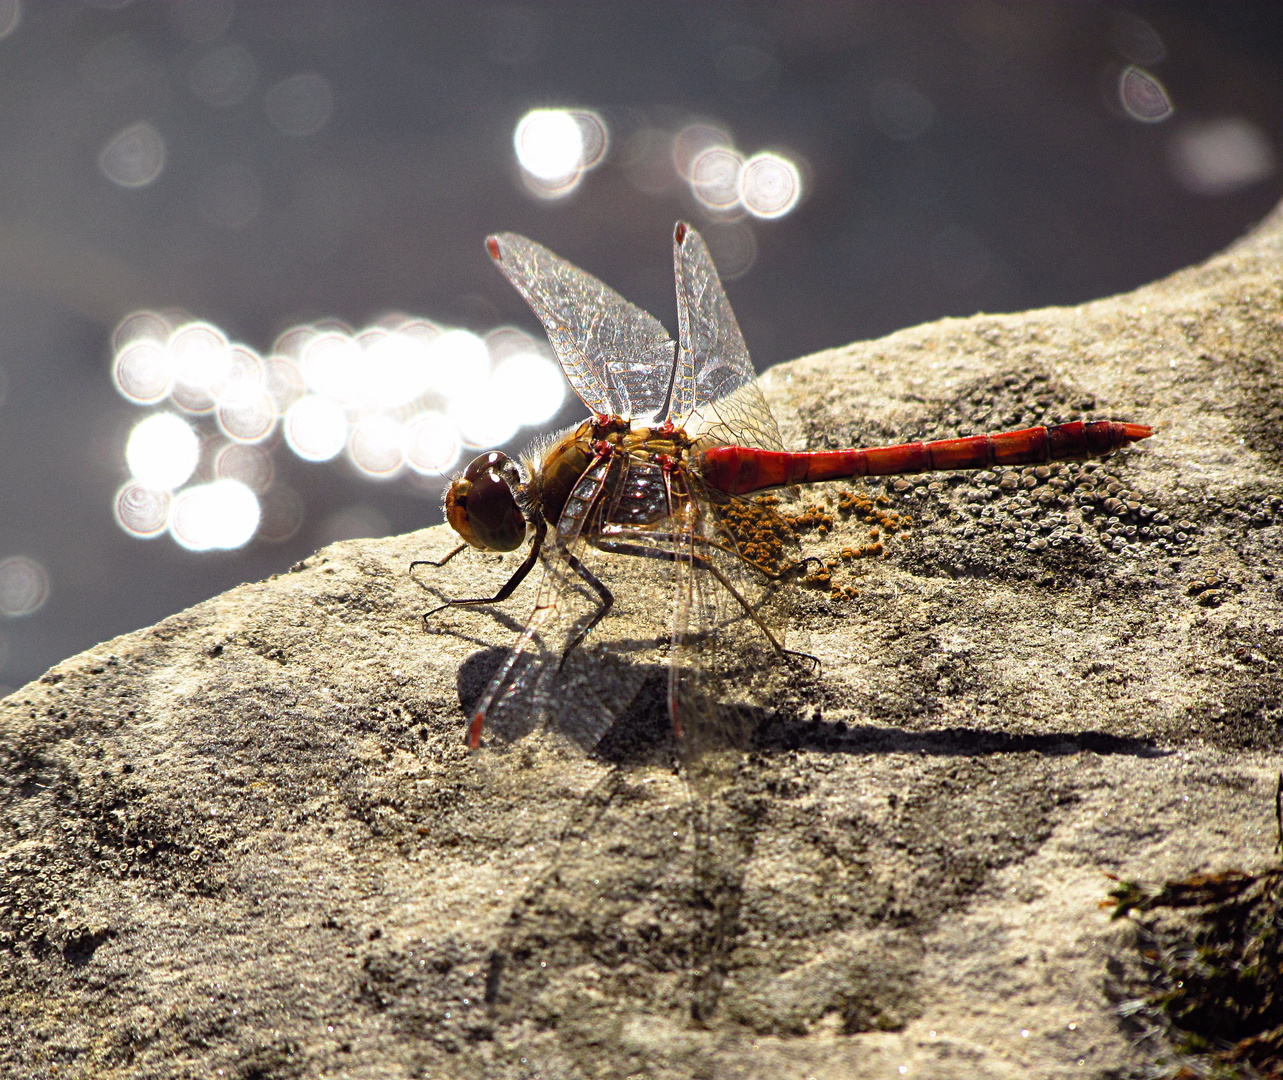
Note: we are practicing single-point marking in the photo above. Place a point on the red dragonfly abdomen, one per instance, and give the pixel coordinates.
(739, 470)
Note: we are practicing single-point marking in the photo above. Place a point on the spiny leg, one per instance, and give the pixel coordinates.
(607, 602)
(435, 562)
(505, 591)
(701, 563)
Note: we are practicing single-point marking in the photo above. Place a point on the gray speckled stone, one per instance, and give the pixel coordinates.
(250, 839)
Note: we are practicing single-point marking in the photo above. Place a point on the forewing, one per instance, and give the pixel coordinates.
(617, 357)
(715, 393)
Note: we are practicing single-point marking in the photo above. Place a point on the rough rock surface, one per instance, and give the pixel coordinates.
(249, 842)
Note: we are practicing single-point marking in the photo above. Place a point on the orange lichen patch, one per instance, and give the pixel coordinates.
(754, 529)
(814, 516)
(872, 510)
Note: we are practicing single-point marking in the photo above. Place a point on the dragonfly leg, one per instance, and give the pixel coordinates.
(437, 562)
(607, 602)
(505, 591)
(770, 575)
(792, 568)
(701, 563)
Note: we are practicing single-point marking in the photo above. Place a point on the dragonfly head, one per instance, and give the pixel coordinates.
(481, 505)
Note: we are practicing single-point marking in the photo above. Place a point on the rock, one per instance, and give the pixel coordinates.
(250, 838)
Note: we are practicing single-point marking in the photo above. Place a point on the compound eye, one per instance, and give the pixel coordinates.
(481, 507)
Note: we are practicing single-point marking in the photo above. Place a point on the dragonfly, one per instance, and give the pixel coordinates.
(659, 551)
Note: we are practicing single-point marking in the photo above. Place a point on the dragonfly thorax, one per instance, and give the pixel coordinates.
(560, 467)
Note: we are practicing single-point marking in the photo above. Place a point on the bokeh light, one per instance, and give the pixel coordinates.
(143, 371)
(1143, 97)
(10, 16)
(283, 381)
(223, 77)
(216, 516)
(770, 185)
(248, 415)
(229, 197)
(251, 465)
(593, 136)
(281, 512)
(162, 451)
(299, 105)
(691, 142)
(432, 443)
(377, 445)
(134, 157)
(528, 388)
(24, 586)
(202, 360)
(1217, 157)
(332, 367)
(549, 144)
(555, 147)
(459, 362)
(715, 177)
(141, 511)
(401, 395)
(900, 111)
(733, 247)
(483, 418)
(315, 428)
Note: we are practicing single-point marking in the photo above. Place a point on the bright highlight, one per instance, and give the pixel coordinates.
(162, 452)
(220, 515)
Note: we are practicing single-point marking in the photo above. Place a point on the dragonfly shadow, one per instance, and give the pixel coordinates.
(634, 730)
(779, 736)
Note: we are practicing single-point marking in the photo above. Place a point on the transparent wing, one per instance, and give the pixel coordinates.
(715, 394)
(730, 612)
(573, 685)
(617, 357)
(725, 680)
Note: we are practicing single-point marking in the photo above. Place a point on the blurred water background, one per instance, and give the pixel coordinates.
(245, 309)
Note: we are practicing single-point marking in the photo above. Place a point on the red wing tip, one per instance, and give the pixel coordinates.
(474, 731)
(492, 246)
(680, 231)
(1137, 431)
